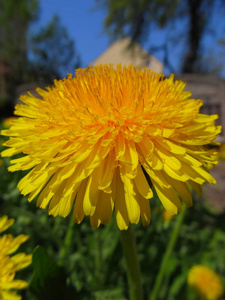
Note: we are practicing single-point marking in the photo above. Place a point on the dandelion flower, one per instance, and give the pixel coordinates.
(99, 141)
(205, 282)
(9, 265)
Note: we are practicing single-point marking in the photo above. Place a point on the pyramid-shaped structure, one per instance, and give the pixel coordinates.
(121, 52)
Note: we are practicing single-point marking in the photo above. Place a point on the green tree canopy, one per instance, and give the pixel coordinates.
(52, 51)
(15, 19)
(136, 18)
(26, 57)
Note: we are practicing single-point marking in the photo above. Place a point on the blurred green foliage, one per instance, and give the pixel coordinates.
(28, 53)
(80, 262)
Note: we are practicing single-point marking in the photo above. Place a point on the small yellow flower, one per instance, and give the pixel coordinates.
(9, 265)
(100, 140)
(205, 282)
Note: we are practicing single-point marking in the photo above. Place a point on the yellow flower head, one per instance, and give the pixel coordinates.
(205, 282)
(101, 139)
(9, 265)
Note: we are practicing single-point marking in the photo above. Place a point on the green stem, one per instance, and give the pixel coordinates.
(170, 247)
(133, 268)
(67, 242)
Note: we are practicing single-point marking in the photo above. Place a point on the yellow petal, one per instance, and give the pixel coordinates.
(142, 184)
(175, 174)
(183, 190)
(78, 213)
(91, 195)
(169, 198)
(120, 204)
(5, 223)
(103, 211)
(106, 171)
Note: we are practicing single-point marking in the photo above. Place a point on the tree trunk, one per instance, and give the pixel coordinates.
(197, 25)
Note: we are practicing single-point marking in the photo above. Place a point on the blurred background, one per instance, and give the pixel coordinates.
(43, 40)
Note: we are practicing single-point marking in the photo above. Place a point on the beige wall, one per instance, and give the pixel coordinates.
(121, 52)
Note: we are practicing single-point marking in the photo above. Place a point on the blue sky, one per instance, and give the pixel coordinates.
(84, 20)
(84, 25)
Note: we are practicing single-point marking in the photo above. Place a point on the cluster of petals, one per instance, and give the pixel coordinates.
(9, 264)
(100, 141)
(205, 282)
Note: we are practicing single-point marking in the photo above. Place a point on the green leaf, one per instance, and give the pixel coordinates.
(178, 283)
(49, 280)
(110, 294)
